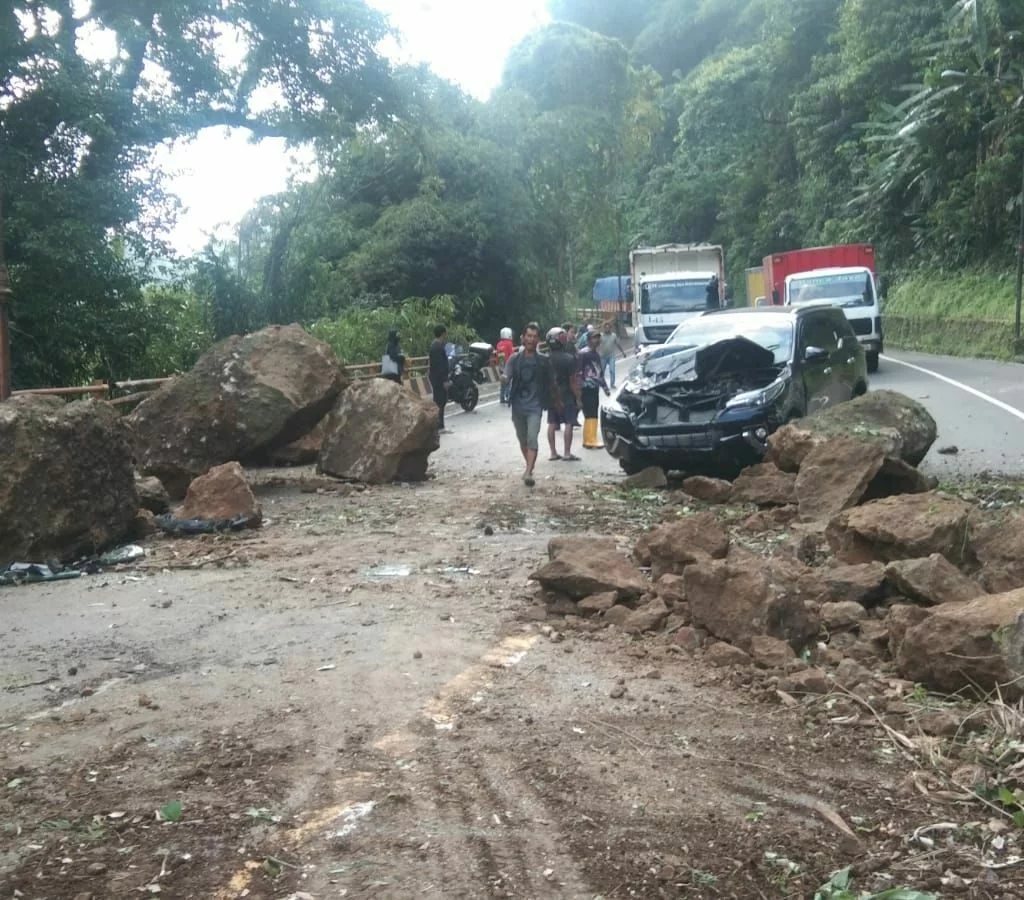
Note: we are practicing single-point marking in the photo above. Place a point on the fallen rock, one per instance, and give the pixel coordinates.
(672, 547)
(67, 487)
(245, 397)
(906, 527)
(303, 452)
(807, 681)
(648, 617)
(842, 616)
(671, 589)
(835, 475)
(689, 638)
(901, 618)
(379, 432)
(722, 655)
(772, 519)
(152, 494)
(770, 653)
(899, 477)
(651, 478)
(586, 567)
(851, 674)
(934, 581)
(737, 602)
(973, 646)
(902, 427)
(999, 547)
(863, 584)
(617, 616)
(598, 603)
(145, 525)
(710, 490)
(222, 493)
(764, 485)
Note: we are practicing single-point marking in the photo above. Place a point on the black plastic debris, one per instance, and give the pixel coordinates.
(185, 527)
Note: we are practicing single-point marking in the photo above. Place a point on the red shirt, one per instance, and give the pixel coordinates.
(505, 349)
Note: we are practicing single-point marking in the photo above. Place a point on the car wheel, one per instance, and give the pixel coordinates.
(872, 361)
(632, 466)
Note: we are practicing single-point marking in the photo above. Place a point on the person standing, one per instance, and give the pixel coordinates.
(505, 350)
(591, 377)
(609, 344)
(563, 365)
(531, 391)
(437, 373)
(392, 363)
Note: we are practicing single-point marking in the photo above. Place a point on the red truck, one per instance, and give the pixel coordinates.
(844, 275)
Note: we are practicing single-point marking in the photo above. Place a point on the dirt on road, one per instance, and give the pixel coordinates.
(359, 700)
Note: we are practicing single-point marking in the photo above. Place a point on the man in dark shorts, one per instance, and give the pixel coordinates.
(531, 391)
(437, 373)
(563, 365)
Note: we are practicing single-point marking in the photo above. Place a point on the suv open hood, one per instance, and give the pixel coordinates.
(668, 365)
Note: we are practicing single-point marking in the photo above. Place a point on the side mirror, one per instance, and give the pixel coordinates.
(815, 355)
(645, 300)
(775, 297)
(728, 292)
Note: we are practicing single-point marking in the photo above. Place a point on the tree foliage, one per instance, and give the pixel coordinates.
(762, 125)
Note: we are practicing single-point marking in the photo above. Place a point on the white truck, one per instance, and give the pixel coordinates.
(670, 285)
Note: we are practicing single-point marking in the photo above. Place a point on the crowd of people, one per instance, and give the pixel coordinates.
(579, 363)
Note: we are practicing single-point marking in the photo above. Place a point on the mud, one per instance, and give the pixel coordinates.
(332, 727)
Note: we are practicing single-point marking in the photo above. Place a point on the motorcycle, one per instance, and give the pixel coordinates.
(466, 371)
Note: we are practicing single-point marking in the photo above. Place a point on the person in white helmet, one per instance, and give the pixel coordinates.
(505, 350)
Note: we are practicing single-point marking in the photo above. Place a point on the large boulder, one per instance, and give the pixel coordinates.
(67, 486)
(222, 493)
(902, 427)
(584, 567)
(764, 485)
(670, 548)
(863, 584)
(737, 602)
(999, 547)
(835, 475)
(302, 452)
(905, 527)
(379, 432)
(933, 581)
(974, 646)
(245, 397)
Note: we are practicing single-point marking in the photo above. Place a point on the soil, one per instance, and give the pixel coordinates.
(361, 699)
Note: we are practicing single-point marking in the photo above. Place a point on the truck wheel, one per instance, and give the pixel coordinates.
(872, 361)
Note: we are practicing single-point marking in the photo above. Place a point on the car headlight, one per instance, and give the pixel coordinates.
(757, 398)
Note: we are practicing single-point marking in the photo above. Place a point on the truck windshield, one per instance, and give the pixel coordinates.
(660, 297)
(850, 289)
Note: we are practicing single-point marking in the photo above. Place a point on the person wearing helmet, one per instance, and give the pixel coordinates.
(563, 365)
(505, 350)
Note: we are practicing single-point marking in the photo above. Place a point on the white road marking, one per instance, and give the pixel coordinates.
(981, 395)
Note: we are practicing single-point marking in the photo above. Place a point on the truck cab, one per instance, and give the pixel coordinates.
(666, 301)
(854, 289)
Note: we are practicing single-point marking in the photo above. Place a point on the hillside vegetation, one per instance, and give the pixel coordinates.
(763, 125)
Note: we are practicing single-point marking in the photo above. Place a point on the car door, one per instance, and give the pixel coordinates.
(847, 358)
(818, 374)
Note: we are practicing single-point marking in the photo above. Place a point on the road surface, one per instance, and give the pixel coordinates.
(977, 404)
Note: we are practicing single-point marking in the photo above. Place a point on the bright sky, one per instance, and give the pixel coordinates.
(220, 175)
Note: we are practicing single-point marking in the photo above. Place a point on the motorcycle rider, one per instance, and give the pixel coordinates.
(505, 350)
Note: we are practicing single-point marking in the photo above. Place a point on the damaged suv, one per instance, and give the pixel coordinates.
(707, 400)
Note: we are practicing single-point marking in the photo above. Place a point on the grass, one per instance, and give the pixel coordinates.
(967, 313)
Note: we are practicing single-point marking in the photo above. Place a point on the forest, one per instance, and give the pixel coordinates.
(762, 125)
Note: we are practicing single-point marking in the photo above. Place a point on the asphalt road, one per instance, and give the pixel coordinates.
(978, 405)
